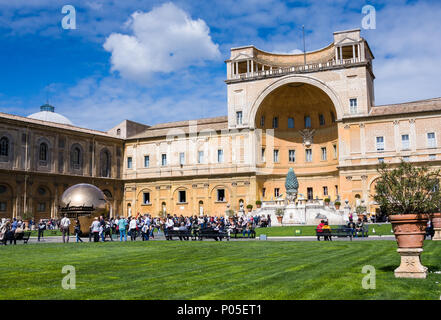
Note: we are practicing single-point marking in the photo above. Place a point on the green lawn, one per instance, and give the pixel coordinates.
(380, 229)
(213, 270)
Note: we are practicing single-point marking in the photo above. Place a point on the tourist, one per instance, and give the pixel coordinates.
(64, 225)
(320, 229)
(95, 228)
(102, 227)
(122, 223)
(41, 228)
(351, 225)
(359, 227)
(77, 230)
(132, 228)
(327, 231)
(107, 230)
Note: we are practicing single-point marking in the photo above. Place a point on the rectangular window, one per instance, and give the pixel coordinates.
(321, 119)
(220, 156)
(335, 150)
(181, 158)
(263, 192)
(405, 142)
(324, 154)
(41, 207)
(292, 155)
(146, 197)
(129, 162)
(239, 117)
(406, 158)
(325, 191)
(2, 206)
(262, 121)
(263, 155)
(336, 189)
(182, 196)
(275, 122)
(276, 156)
(380, 143)
(221, 195)
(432, 156)
(308, 153)
(307, 122)
(353, 104)
(201, 157)
(163, 159)
(310, 193)
(146, 161)
(291, 123)
(276, 192)
(431, 142)
(380, 160)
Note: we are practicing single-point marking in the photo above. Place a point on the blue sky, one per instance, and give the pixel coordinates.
(160, 61)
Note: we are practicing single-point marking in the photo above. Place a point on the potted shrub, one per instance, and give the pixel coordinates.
(249, 207)
(337, 205)
(279, 213)
(26, 217)
(258, 204)
(327, 200)
(408, 195)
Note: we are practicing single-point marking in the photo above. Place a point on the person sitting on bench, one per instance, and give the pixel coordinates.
(320, 229)
(359, 227)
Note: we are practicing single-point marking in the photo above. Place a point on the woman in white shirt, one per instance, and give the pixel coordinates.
(132, 227)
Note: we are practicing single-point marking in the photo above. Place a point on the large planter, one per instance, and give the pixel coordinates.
(409, 229)
(436, 224)
(280, 218)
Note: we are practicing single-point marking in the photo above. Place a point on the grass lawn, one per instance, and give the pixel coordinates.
(380, 229)
(213, 270)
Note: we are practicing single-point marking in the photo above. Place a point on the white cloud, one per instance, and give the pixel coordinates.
(164, 40)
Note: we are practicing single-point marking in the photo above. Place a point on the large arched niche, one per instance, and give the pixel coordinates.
(304, 92)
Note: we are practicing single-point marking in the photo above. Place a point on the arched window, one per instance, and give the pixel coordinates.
(43, 152)
(4, 146)
(105, 163)
(76, 156)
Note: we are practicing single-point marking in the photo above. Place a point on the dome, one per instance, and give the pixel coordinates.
(83, 195)
(47, 113)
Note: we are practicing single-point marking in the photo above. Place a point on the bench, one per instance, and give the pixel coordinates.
(237, 233)
(212, 234)
(336, 232)
(24, 236)
(182, 234)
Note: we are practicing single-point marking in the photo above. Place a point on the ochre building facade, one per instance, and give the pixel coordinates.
(315, 113)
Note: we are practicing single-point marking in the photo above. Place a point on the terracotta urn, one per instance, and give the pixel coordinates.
(436, 220)
(280, 218)
(409, 229)
(258, 205)
(337, 206)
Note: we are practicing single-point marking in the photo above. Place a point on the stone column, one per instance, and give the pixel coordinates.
(410, 266)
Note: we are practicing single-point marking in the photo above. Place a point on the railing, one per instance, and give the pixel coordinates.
(294, 69)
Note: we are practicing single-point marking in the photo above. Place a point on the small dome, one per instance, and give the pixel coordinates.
(47, 113)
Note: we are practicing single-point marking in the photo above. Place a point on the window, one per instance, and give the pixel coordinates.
(129, 162)
(163, 159)
(325, 191)
(405, 142)
(76, 156)
(220, 156)
(43, 152)
(41, 207)
(182, 196)
(380, 143)
(406, 158)
(332, 117)
(105, 163)
(2, 206)
(432, 156)
(262, 121)
(324, 155)
(239, 117)
(263, 192)
(310, 193)
(4, 146)
(380, 160)
(307, 122)
(221, 195)
(290, 123)
(275, 122)
(308, 155)
(276, 192)
(146, 161)
(263, 155)
(181, 158)
(353, 105)
(321, 119)
(335, 150)
(146, 198)
(292, 155)
(336, 189)
(118, 132)
(201, 157)
(431, 143)
(276, 156)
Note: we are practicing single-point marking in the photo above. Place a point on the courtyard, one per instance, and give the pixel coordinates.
(267, 270)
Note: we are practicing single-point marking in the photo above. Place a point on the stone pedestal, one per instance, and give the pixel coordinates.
(437, 235)
(410, 266)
